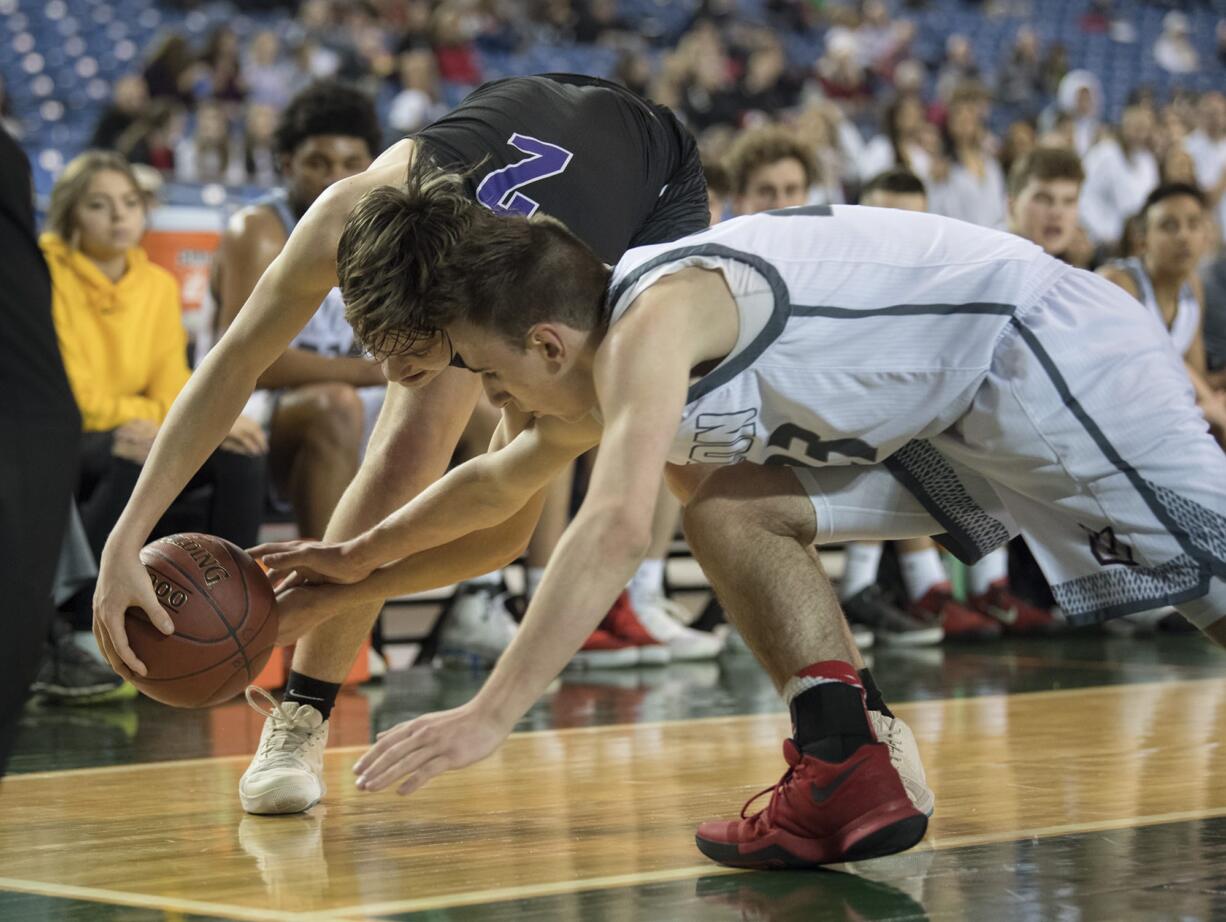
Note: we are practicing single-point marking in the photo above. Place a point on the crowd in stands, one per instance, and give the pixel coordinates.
(1027, 146)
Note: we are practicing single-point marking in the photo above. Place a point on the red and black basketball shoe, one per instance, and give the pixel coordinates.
(820, 813)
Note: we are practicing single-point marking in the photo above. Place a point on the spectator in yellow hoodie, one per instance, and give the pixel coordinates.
(117, 318)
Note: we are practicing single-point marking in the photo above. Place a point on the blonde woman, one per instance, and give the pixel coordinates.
(117, 319)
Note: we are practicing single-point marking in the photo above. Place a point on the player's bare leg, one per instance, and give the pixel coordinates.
(752, 530)
(412, 442)
(314, 449)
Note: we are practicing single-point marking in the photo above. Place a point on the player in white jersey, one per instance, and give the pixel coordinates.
(812, 375)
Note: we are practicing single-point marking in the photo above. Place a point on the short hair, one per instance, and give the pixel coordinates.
(73, 183)
(761, 147)
(1045, 163)
(414, 259)
(718, 180)
(1172, 190)
(896, 181)
(328, 107)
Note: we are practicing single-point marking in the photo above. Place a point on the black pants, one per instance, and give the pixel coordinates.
(225, 498)
(37, 468)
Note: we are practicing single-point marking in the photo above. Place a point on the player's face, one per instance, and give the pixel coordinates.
(1175, 235)
(419, 364)
(777, 185)
(903, 201)
(543, 378)
(321, 160)
(1046, 213)
(110, 218)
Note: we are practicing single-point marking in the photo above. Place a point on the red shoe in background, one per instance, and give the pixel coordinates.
(960, 622)
(1015, 615)
(623, 623)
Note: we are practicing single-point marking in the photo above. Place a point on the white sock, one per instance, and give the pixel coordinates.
(921, 570)
(991, 569)
(648, 581)
(532, 580)
(860, 570)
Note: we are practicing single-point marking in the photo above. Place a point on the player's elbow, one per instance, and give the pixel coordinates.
(625, 534)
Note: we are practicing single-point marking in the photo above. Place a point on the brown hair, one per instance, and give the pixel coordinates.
(414, 259)
(1045, 164)
(73, 183)
(762, 147)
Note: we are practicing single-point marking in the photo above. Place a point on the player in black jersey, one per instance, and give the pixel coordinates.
(617, 169)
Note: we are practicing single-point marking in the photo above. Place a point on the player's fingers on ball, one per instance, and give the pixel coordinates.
(157, 614)
(126, 656)
(424, 775)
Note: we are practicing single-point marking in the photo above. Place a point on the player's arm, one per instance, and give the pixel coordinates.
(285, 297)
(477, 495)
(641, 378)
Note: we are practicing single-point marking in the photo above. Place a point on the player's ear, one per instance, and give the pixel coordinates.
(547, 341)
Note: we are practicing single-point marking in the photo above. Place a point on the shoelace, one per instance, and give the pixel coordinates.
(287, 736)
(775, 790)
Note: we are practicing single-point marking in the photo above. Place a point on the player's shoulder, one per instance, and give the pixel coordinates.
(257, 222)
(1118, 274)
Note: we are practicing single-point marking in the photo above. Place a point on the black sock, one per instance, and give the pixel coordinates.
(318, 694)
(829, 721)
(872, 694)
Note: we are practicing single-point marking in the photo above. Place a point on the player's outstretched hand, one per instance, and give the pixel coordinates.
(123, 583)
(414, 752)
(293, 563)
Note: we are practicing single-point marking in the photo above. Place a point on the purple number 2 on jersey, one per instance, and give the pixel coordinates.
(499, 191)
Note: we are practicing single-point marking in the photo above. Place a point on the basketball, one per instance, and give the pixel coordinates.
(225, 621)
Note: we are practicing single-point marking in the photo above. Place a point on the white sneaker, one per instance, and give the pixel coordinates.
(905, 757)
(661, 619)
(286, 775)
(479, 627)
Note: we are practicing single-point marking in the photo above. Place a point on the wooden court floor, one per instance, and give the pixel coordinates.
(1076, 778)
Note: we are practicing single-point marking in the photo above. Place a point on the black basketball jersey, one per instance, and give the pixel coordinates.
(588, 152)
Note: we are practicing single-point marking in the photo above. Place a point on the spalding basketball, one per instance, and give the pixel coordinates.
(225, 620)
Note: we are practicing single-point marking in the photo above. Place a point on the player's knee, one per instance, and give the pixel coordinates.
(337, 416)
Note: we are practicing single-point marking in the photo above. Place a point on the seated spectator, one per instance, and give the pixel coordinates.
(319, 401)
(417, 104)
(768, 88)
(1019, 83)
(899, 145)
(1079, 99)
(208, 154)
(967, 183)
(224, 69)
(269, 78)
(453, 45)
(958, 68)
(1173, 49)
(118, 320)
(1120, 173)
(129, 100)
(1174, 228)
(1044, 187)
(839, 72)
(1207, 147)
(259, 146)
(173, 70)
(769, 168)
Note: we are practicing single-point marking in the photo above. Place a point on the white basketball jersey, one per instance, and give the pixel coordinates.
(861, 329)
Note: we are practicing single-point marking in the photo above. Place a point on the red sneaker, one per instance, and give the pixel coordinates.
(820, 813)
(1015, 615)
(623, 623)
(960, 622)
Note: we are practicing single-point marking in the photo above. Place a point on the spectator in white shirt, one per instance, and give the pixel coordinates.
(1207, 147)
(972, 186)
(1119, 175)
(1173, 50)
